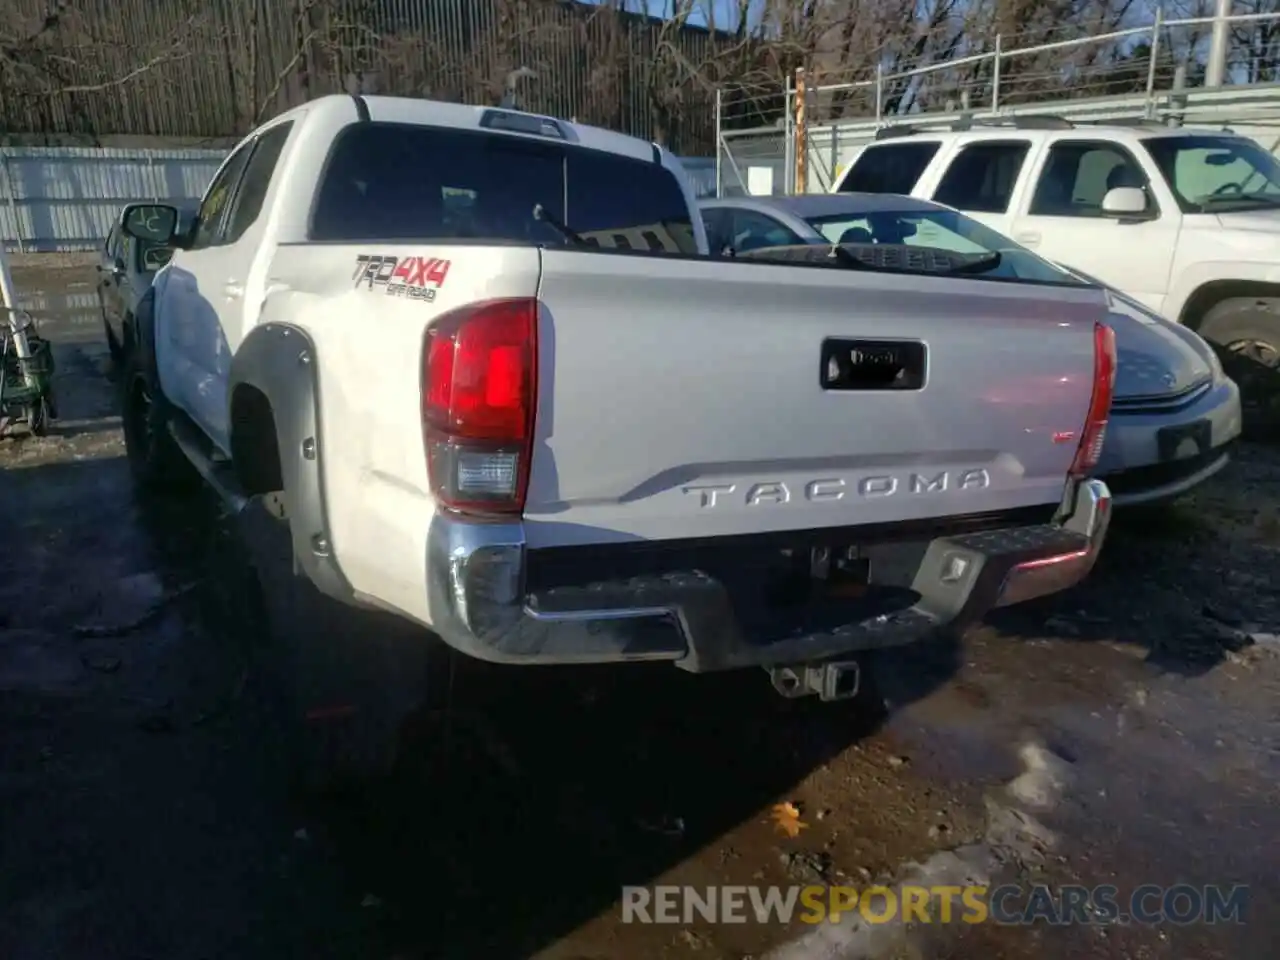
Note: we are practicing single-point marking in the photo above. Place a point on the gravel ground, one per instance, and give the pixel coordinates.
(1123, 734)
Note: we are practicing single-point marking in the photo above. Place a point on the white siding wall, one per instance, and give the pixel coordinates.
(66, 198)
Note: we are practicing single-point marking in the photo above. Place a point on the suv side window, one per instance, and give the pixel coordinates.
(893, 168)
(214, 206)
(982, 176)
(256, 179)
(1077, 174)
(112, 246)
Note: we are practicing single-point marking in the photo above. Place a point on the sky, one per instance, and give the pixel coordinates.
(724, 10)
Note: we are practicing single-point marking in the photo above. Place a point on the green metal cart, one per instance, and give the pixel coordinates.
(26, 386)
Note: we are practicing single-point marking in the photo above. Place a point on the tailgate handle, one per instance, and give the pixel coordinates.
(873, 365)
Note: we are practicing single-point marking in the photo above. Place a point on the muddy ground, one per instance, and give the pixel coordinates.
(1125, 734)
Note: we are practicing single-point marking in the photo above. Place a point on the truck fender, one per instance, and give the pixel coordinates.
(276, 442)
(1203, 284)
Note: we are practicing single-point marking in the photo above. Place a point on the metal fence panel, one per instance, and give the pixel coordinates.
(753, 161)
(218, 68)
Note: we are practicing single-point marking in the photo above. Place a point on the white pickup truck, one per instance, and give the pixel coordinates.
(481, 362)
(1185, 221)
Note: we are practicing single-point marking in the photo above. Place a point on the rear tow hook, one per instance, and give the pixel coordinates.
(835, 680)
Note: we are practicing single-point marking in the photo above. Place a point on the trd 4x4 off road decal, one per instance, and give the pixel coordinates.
(414, 278)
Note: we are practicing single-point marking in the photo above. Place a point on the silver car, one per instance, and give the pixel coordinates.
(1175, 413)
(126, 268)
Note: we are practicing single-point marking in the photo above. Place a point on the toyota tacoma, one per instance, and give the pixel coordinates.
(483, 370)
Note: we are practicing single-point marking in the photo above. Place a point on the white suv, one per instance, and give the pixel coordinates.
(1185, 221)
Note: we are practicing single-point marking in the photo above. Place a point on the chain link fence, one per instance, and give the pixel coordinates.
(754, 159)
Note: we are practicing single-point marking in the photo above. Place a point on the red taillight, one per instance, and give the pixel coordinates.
(479, 383)
(1094, 435)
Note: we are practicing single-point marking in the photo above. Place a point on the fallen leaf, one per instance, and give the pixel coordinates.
(786, 816)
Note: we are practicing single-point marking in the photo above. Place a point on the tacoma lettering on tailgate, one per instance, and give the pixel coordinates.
(414, 278)
(828, 489)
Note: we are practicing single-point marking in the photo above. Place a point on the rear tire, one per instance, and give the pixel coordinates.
(343, 681)
(1245, 331)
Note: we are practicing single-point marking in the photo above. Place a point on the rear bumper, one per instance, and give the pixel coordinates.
(479, 604)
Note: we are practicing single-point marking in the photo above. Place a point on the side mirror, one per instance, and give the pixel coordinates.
(152, 222)
(1125, 203)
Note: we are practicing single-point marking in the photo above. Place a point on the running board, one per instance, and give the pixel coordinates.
(219, 475)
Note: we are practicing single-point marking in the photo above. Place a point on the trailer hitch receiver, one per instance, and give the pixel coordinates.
(834, 680)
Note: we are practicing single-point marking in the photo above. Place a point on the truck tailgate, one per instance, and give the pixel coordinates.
(685, 398)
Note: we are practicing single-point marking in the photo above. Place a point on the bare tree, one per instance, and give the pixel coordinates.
(63, 65)
(219, 67)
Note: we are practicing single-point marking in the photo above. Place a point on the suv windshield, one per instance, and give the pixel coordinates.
(947, 230)
(386, 181)
(1217, 172)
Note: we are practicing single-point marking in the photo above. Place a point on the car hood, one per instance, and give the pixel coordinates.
(1154, 357)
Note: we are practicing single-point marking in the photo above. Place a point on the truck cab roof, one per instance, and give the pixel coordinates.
(343, 108)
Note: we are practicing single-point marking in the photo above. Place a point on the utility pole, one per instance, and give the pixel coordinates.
(1216, 70)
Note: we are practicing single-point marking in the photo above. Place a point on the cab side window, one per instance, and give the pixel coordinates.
(213, 208)
(982, 176)
(1077, 174)
(719, 226)
(112, 247)
(256, 180)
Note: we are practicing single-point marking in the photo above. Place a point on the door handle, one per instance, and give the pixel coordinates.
(1027, 238)
(233, 290)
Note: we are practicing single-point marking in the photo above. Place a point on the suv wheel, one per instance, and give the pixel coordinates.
(1246, 333)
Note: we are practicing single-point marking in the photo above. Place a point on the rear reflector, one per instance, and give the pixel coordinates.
(479, 376)
(1094, 436)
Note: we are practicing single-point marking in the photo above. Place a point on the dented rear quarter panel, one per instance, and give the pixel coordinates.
(368, 337)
